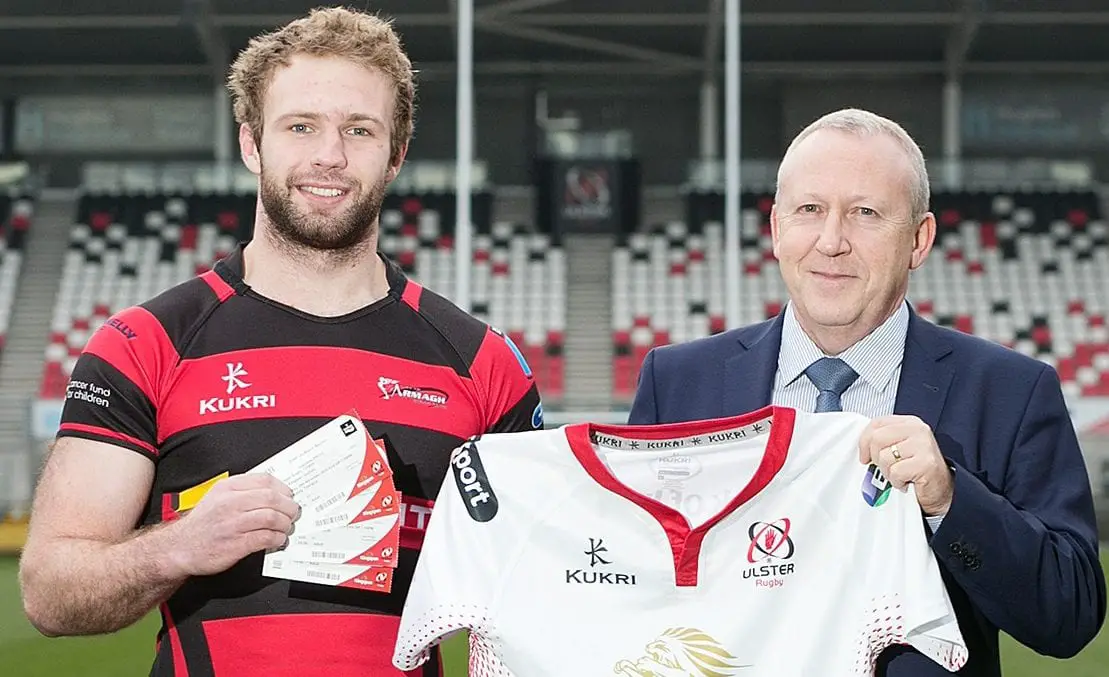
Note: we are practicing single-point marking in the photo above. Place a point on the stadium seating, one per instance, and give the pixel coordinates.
(15, 219)
(517, 277)
(1029, 270)
(125, 248)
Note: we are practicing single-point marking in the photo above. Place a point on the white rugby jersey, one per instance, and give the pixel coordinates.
(754, 545)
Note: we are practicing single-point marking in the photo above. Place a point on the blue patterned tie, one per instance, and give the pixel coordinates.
(831, 376)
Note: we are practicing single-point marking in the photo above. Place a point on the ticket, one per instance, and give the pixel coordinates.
(380, 500)
(377, 579)
(327, 466)
(371, 542)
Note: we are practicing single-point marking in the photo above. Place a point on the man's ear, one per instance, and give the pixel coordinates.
(249, 150)
(397, 163)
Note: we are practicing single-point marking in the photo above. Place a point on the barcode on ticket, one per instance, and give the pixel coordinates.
(329, 554)
(330, 502)
(326, 575)
(331, 520)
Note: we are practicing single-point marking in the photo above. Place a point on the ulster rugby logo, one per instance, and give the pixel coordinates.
(682, 652)
(769, 540)
(769, 549)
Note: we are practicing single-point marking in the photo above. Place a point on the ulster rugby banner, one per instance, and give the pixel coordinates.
(588, 196)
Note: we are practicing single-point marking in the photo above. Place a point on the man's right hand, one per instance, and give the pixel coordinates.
(238, 517)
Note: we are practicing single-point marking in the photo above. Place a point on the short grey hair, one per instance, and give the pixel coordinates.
(865, 123)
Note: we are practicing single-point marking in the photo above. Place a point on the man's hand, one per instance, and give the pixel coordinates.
(239, 516)
(905, 450)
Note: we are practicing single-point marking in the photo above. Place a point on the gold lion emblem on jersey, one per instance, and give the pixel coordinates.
(682, 652)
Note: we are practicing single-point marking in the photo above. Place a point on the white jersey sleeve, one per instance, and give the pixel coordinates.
(453, 587)
(908, 603)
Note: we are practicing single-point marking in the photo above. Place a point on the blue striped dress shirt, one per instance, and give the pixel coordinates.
(876, 358)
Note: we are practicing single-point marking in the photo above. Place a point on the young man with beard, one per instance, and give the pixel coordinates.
(309, 321)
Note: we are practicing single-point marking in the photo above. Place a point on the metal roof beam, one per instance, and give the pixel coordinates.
(511, 11)
(512, 7)
(961, 38)
(437, 70)
(590, 44)
(198, 14)
(714, 32)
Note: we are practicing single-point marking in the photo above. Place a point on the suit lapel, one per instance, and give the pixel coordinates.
(925, 378)
(749, 374)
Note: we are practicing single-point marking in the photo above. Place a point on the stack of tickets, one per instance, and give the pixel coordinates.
(348, 531)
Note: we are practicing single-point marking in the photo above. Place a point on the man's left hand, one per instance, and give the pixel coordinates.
(905, 450)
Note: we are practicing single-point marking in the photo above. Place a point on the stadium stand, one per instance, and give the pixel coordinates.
(517, 280)
(127, 247)
(16, 212)
(1027, 269)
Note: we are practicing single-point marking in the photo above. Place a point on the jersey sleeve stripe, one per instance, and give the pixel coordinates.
(223, 290)
(145, 358)
(502, 375)
(104, 435)
(412, 294)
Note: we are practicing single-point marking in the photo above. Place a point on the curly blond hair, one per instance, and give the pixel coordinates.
(328, 32)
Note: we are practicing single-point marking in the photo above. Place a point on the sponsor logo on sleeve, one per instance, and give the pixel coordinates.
(537, 416)
(122, 327)
(876, 488)
(85, 391)
(473, 484)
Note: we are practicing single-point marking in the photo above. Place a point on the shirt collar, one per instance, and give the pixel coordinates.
(874, 358)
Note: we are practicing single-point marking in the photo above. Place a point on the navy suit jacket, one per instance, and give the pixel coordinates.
(1019, 549)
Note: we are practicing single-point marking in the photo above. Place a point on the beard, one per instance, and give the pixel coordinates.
(341, 231)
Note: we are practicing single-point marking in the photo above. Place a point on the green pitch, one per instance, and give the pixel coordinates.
(24, 653)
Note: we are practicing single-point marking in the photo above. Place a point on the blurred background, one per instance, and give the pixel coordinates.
(623, 159)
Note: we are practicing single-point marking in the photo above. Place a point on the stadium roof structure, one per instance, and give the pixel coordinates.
(181, 39)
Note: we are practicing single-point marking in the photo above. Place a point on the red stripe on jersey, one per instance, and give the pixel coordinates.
(180, 667)
(304, 645)
(318, 381)
(415, 513)
(112, 434)
(685, 543)
(411, 295)
(223, 290)
(135, 342)
(499, 368)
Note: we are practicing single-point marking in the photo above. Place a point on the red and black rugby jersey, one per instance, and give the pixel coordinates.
(210, 377)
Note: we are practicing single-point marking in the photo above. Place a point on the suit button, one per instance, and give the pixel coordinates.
(957, 548)
(974, 563)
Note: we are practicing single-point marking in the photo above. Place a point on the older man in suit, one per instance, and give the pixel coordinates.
(982, 432)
